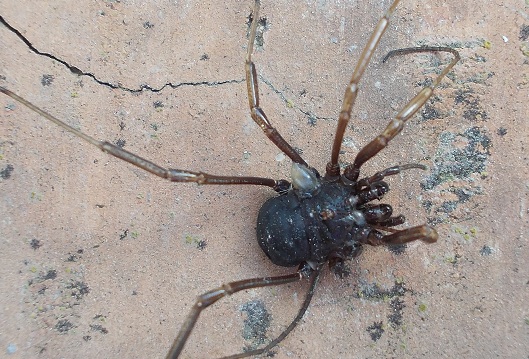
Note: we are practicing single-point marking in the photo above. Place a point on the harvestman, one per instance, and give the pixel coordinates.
(314, 220)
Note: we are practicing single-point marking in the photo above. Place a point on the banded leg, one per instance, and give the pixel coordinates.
(333, 170)
(209, 298)
(352, 172)
(256, 112)
(173, 175)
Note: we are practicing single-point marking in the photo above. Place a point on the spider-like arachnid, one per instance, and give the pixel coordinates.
(315, 219)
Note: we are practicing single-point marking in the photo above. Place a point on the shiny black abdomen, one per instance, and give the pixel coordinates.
(292, 230)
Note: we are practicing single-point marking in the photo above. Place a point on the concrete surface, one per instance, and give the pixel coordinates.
(102, 260)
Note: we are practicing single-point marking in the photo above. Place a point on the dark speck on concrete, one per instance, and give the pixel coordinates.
(397, 306)
(99, 328)
(79, 289)
(373, 291)
(502, 131)
(312, 120)
(46, 80)
(472, 110)
(63, 325)
(5, 172)
(375, 331)
(73, 257)
(35, 244)
(256, 324)
(52, 274)
(201, 245)
(524, 32)
(486, 251)
(429, 112)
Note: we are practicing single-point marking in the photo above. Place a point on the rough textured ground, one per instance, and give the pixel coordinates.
(102, 260)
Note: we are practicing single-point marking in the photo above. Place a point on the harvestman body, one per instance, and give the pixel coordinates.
(314, 220)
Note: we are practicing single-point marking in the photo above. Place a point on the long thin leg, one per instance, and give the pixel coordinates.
(207, 299)
(173, 175)
(351, 92)
(423, 233)
(257, 113)
(397, 124)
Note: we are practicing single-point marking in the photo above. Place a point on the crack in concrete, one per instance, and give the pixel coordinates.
(311, 117)
(75, 70)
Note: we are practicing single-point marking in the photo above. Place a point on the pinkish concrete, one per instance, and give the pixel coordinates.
(467, 295)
